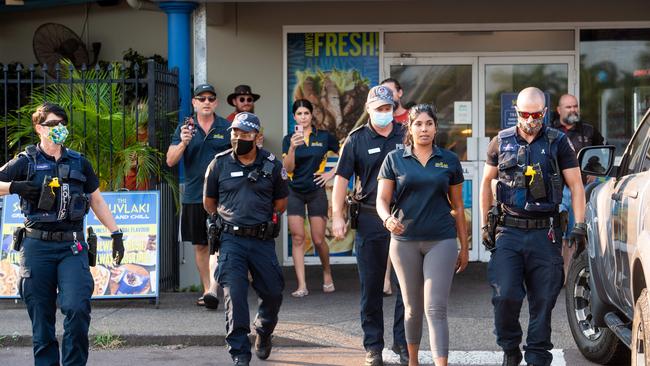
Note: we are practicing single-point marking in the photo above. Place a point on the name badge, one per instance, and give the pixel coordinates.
(42, 167)
(237, 174)
(374, 151)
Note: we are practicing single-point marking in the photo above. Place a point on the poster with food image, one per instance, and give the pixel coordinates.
(334, 71)
(137, 215)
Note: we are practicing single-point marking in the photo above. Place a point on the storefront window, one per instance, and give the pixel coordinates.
(615, 81)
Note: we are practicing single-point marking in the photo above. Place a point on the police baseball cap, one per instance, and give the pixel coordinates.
(204, 88)
(246, 121)
(378, 96)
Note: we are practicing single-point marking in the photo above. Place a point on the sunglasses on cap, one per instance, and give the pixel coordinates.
(245, 99)
(534, 115)
(210, 98)
(54, 122)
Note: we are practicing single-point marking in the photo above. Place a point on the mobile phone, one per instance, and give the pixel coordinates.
(298, 129)
(189, 122)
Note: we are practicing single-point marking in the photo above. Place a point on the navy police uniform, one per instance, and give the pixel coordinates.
(48, 259)
(527, 258)
(362, 154)
(245, 195)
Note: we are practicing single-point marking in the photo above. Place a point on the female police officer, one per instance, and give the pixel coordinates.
(54, 254)
(247, 188)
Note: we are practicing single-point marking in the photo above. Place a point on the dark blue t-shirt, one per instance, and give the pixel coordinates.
(241, 201)
(422, 201)
(362, 154)
(198, 154)
(310, 158)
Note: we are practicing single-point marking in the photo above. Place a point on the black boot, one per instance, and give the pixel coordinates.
(512, 358)
(373, 358)
(263, 346)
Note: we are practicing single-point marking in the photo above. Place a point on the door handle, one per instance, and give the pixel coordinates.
(632, 194)
(616, 196)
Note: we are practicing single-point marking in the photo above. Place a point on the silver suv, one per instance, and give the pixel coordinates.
(606, 294)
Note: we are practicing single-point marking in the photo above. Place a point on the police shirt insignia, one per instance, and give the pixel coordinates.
(509, 147)
(543, 152)
(241, 117)
(284, 173)
(271, 157)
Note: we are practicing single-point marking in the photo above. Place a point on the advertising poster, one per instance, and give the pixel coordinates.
(334, 71)
(137, 215)
(509, 113)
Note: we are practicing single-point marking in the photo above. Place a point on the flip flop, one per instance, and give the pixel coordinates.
(329, 288)
(200, 302)
(300, 293)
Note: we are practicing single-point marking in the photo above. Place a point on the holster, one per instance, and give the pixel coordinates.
(19, 236)
(354, 207)
(92, 247)
(271, 231)
(492, 222)
(564, 221)
(214, 227)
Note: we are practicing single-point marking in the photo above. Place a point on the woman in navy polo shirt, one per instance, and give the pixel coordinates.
(305, 154)
(419, 187)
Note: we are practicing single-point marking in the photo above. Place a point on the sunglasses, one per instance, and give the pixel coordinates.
(202, 99)
(534, 115)
(245, 99)
(54, 122)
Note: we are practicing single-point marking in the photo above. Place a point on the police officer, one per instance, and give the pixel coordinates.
(56, 186)
(529, 164)
(363, 152)
(197, 141)
(247, 188)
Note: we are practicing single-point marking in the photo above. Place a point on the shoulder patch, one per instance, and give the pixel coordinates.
(510, 131)
(271, 157)
(284, 174)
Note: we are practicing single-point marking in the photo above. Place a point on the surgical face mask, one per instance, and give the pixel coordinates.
(382, 119)
(242, 147)
(572, 118)
(532, 127)
(58, 134)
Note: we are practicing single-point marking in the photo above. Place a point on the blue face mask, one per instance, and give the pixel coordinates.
(382, 119)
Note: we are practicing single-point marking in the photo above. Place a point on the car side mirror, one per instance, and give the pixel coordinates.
(597, 160)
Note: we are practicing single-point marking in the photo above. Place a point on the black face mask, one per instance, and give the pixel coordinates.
(242, 147)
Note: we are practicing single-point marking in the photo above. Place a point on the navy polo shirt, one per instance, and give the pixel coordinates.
(421, 192)
(310, 158)
(241, 201)
(362, 154)
(198, 154)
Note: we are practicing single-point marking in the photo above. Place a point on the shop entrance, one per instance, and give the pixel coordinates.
(473, 96)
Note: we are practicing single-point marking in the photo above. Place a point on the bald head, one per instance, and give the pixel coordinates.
(531, 97)
(568, 110)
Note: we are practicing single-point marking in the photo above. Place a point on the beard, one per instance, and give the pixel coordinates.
(572, 118)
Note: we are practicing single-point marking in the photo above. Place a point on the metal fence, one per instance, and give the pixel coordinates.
(121, 117)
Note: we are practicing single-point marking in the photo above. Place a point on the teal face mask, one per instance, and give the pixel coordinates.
(382, 119)
(58, 134)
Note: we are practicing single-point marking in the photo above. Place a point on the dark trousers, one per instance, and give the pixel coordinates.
(237, 256)
(371, 246)
(46, 266)
(525, 262)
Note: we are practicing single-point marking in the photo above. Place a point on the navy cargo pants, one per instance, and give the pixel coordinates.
(525, 262)
(46, 266)
(237, 256)
(371, 246)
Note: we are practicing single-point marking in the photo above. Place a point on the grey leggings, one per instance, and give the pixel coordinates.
(425, 270)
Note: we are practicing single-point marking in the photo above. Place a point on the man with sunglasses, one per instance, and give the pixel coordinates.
(197, 141)
(56, 186)
(246, 192)
(526, 168)
(243, 99)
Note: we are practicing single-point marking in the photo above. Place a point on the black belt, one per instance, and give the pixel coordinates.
(368, 209)
(520, 223)
(252, 231)
(54, 235)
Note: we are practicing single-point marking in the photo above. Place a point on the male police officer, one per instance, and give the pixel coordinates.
(529, 163)
(247, 188)
(197, 141)
(362, 155)
(56, 186)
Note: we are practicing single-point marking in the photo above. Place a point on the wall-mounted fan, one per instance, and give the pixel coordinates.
(53, 42)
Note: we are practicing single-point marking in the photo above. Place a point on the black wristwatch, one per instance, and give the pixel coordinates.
(580, 225)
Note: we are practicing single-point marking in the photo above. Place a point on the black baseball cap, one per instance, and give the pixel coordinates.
(202, 88)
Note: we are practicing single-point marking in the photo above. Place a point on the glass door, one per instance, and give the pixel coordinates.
(451, 85)
(501, 78)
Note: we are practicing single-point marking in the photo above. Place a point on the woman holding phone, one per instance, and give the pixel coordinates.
(304, 156)
(420, 185)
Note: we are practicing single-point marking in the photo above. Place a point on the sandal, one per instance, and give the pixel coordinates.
(329, 288)
(200, 302)
(300, 293)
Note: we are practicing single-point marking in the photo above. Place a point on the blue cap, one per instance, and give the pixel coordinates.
(204, 88)
(246, 121)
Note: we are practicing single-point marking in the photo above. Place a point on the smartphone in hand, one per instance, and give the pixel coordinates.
(298, 129)
(189, 122)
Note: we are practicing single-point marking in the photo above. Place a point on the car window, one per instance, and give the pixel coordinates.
(645, 166)
(637, 153)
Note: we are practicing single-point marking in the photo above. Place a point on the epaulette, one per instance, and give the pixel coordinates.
(223, 153)
(73, 153)
(30, 152)
(508, 132)
(267, 155)
(356, 130)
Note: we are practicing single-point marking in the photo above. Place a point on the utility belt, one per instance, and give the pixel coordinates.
(521, 223)
(54, 235)
(265, 231)
(355, 208)
(368, 209)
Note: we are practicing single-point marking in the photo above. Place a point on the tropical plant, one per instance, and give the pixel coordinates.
(110, 133)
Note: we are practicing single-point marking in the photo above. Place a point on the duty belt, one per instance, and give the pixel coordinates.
(54, 235)
(520, 223)
(368, 209)
(252, 231)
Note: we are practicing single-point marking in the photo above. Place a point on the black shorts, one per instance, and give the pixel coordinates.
(193, 229)
(315, 201)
